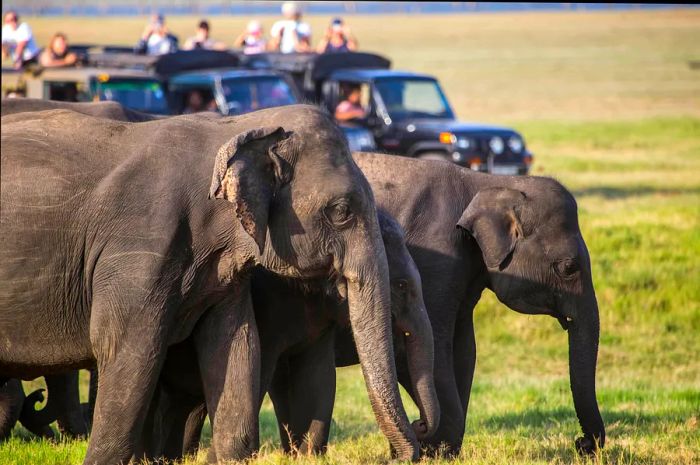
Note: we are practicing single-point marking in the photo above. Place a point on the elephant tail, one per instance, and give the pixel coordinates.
(37, 421)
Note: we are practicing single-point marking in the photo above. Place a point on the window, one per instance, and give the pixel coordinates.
(244, 95)
(413, 98)
(141, 95)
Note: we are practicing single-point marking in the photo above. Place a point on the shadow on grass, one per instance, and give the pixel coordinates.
(619, 422)
(636, 191)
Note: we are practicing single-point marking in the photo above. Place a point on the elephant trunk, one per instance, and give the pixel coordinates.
(419, 351)
(370, 319)
(584, 330)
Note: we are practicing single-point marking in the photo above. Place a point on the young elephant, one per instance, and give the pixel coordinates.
(112, 252)
(296, 321)
(516, 235)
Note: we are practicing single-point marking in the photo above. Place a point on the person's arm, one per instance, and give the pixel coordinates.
(345, 111)
(352, 41)
(17, 59)
(240, 40)
(321, 47)
(189, 44)
(48, 61)
(142, 45)
(45, 58)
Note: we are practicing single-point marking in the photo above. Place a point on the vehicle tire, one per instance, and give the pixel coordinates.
(441, 156)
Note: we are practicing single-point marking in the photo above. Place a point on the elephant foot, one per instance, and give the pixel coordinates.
(587, 446)
(441, 450)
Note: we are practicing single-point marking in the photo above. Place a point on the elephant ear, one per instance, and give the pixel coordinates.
(492, 219)
(248, 172)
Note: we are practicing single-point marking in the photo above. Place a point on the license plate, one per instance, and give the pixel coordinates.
(505, 169)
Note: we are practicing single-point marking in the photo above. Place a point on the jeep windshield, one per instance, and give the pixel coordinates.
(254, 93)
(413, 98)
(137, 94)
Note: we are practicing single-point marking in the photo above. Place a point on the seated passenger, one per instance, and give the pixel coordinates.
(338, 39)
(196, 102)
(57, 53)
(252, 41)
(350, 108)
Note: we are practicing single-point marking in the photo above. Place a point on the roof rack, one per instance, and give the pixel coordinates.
(309, 68)
(183, 60)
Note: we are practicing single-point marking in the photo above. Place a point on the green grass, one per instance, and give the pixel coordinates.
(635, 170)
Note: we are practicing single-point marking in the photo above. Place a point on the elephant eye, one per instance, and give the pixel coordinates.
(567, 268)
(339, 213)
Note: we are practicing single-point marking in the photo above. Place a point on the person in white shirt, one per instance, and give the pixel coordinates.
(290, 34)
(156, 40)
(18, 41)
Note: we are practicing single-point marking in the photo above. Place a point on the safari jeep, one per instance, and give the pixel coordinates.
(407, 113)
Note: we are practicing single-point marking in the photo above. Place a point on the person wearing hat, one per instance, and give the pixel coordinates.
(290, 34)
(252, 40)
(202, 39)
(156, 40)
(338, 39)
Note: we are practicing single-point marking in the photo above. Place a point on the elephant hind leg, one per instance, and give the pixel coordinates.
(304, 391)
(64, 399)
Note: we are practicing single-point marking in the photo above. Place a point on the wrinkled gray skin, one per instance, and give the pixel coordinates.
(109, 110)
(519, 237)
(63, 405)
(296, 322)
(112, 252)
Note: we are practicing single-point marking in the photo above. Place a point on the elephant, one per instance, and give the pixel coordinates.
(121, 240)
(516, 235)
(296, 322)
(107, 109)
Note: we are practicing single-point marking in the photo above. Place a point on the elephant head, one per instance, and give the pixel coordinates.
(537, 261)
(298, 193)
(412, 325)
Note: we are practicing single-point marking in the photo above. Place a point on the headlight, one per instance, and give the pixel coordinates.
(515, 144)
(457, 157)
(496, 145)
(464, 143)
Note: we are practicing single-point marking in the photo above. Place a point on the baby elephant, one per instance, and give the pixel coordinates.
(296, 322)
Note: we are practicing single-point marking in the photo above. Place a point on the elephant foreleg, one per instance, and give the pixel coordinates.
(129, 364)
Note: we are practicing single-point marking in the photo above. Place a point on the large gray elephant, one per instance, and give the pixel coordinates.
(296, 321)
(112, 253)
(519, 237)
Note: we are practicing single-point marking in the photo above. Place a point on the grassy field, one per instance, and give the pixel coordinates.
(610, 107)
